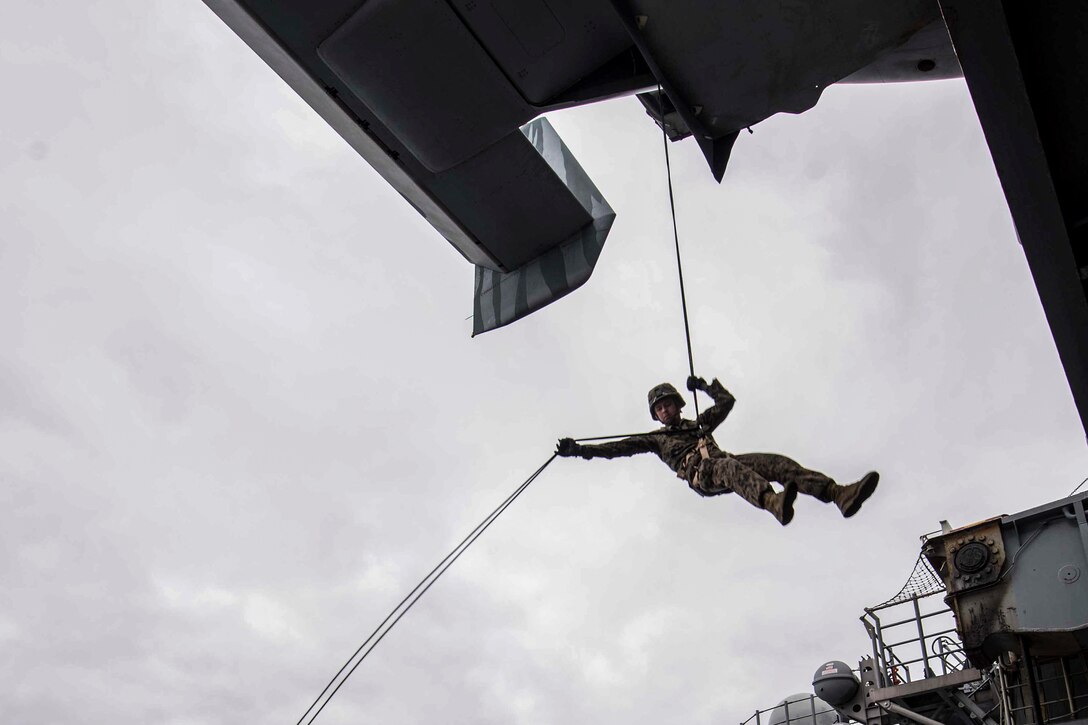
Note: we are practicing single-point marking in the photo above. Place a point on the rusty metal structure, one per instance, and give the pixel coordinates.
(1005, 645)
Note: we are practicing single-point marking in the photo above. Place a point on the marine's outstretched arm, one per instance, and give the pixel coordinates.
(633, 445)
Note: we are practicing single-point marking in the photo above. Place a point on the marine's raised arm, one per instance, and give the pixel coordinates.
(712, 417)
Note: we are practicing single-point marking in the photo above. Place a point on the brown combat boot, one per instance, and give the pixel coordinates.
(850, 498)
(781, 504)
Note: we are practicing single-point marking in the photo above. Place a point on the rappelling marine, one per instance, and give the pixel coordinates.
(688, 448)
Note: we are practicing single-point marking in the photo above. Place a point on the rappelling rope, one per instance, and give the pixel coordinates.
(676, 239)
(409, 601)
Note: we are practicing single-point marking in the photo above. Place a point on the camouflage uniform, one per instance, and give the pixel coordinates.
(720, 472)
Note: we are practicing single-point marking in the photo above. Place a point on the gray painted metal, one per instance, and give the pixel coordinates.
(835, 683)
(802, 709)
(1024, 64)
(280, 58)
(965, 702)
(432, 93)
(928, 684)
(926, 55)
(425, 99)
(910, 714)
(544, 47)
(1037, 596)
(501, 298)
(1017, 585)
(495, 192)
(742, 61)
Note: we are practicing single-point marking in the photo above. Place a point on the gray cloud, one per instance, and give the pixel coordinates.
(242, 413)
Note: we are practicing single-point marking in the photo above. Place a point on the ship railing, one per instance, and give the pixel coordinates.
(798, 711)
(913, 639)
(950, 654)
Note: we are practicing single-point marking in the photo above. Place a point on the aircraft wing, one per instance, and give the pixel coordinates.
(502, 297)
(436, 95)
(440, 129)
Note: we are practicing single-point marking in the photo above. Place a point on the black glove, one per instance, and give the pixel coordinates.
(695, 383)
(567, 448)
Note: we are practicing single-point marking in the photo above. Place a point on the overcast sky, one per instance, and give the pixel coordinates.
(241, 412)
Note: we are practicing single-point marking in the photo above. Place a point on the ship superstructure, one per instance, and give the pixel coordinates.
(1005, 645)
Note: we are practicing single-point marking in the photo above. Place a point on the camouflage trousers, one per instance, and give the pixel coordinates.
(748, 475)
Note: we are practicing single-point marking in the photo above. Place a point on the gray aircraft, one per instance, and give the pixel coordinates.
(440, 97)
(436, 96)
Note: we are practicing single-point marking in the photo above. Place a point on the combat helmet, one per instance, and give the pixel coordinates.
(660, 392)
